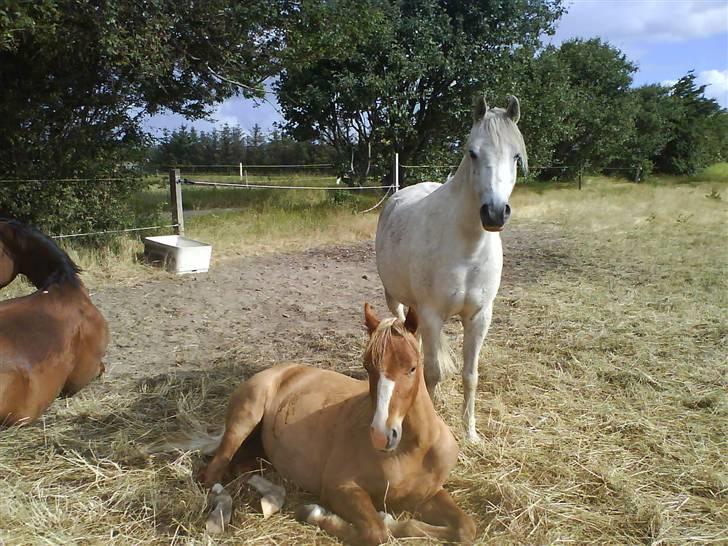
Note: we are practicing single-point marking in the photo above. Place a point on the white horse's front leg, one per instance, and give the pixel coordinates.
(395, 307)
(475, 329)
(430, 328)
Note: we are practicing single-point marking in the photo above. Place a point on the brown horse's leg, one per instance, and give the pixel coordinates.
(245, 412)
(356, 520)
(441, 511)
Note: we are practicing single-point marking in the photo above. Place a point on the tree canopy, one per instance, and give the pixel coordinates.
(365, 77)
(372, 77)
(77, 78)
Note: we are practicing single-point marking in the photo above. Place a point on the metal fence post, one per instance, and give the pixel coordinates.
(396, 172)
(175, 200)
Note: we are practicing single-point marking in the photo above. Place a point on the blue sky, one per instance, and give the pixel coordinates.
(665, 38)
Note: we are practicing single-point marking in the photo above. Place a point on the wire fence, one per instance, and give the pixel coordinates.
(287, 174)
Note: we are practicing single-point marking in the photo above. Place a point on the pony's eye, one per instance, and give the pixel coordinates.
(473, 155)
(518, 159)
(414, 368)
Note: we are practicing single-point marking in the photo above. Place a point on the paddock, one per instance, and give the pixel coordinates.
(601, 401)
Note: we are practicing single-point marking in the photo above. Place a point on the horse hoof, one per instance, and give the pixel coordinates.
(473, 438)
(222, 510)
(310, 513)
(386, 518)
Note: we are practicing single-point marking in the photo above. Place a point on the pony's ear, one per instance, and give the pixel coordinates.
(410, 323)
(371, 321)
(480, 107)
(513, 110)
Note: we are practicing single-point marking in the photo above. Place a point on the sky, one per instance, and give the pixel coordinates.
(664, 38)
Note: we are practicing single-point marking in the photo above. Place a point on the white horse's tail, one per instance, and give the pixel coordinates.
(448, 365)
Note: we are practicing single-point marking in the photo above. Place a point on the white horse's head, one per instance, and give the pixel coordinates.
(494, 150)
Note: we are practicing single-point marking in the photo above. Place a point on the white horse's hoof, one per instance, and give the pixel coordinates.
(310, 513)
(473, 438)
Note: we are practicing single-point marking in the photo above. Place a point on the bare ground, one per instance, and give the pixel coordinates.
(277, 307)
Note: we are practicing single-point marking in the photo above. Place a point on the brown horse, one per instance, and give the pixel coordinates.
(52, 340)
(361, 446)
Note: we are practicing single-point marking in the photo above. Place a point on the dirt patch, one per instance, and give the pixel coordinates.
(300, 306)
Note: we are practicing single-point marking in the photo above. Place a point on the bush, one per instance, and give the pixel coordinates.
(74, 206)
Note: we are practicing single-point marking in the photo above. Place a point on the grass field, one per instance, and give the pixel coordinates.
(602, 398)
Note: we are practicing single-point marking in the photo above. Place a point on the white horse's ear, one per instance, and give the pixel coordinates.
(371, 321)
(513, 110)
(480, 107)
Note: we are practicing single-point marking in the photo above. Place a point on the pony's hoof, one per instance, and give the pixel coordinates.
(386, 518)
(310, 513)
(222, 510)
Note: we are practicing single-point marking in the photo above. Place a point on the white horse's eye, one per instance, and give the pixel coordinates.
(473, 155)
(518, 159)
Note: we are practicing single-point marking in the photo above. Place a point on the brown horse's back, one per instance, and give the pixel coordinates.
(47, 339)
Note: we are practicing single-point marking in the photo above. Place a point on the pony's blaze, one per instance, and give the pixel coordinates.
(384, 437)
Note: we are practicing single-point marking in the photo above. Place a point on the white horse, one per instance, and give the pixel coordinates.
(439, 250)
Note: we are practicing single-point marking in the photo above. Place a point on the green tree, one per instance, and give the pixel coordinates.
(78, 77)
(654, 125)
(599, 108)
(700, 129)
(372, 77)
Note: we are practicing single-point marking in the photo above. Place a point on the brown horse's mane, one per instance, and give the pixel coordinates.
(44, 263)
(381, 337)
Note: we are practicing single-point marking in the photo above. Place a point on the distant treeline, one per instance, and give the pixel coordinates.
(232, 145)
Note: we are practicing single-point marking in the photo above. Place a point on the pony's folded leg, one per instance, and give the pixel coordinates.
(356, 520)
(245, 412)
(412, 528)
(272, 496)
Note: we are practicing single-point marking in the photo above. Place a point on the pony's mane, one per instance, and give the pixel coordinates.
(47, 263)
(498, 125)
(381, 338)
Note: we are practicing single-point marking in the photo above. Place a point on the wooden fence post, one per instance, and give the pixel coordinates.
(581, 174)
(241, 170)
(396, 172)
(638, 174)
(175, 195)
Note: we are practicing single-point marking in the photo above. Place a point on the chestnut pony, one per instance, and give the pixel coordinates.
(362, 446)
(52, 340)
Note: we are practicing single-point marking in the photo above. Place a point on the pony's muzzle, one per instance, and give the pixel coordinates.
(494, 217)
(385, 440)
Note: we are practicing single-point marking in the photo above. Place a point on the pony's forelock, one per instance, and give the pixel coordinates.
(381, 338)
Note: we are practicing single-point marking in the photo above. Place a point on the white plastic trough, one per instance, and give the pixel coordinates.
(178, 254)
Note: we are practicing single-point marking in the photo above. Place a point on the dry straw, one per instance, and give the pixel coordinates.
(602, 405)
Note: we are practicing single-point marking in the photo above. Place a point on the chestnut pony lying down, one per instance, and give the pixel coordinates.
(362, 446)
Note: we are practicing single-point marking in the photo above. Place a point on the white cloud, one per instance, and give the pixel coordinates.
(644, 20)
(717, 85)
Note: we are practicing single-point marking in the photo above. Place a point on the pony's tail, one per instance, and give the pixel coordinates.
(195, 440)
